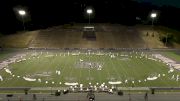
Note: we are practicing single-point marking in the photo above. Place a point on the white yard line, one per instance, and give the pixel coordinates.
(124, 71)
(136, 66)
(114, 68)
(71, 70)
(64, 68)
(49, 67)
(99, 75)
(134, 73)
(104, 59)
(80, 72)
(89, 69)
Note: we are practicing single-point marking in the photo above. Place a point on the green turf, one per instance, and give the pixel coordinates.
(119, 68)
(5, 54)
(173, 55)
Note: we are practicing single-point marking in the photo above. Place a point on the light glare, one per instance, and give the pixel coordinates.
(153, 15)
(89, 11)
(22, 12)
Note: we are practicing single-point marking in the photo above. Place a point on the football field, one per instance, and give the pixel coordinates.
(88, 68)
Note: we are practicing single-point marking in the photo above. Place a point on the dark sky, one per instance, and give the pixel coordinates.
(175, 3)
(47, 13)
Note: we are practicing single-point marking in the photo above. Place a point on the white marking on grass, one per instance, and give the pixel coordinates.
(8, 71)
(99, 54)
(159, 75)
(39, 80)
(112, 56)
(95, 88)
(99, 69)
(24, 59)
(126, 81)
(177, 78)
(29, 79)
(102, 85)
(112, 87)
(114, 83)
(172, 77)
(71, 84)
(152, 78)
(114, 69)
(81, 85)
(48, 56)
(74, 54)
(68, 53)
(80, 60)
(80, 80)
(128, 64)
(150, 65)
(58, 72)
(171, 70)
(1, 78)
(167, 61)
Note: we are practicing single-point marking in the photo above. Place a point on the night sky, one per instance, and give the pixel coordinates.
(47, 13)
(175, 3)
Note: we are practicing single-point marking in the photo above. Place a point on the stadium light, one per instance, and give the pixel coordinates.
(89, 12)
(22, 13)
(153, 16)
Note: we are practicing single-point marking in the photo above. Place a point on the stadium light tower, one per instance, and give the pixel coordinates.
(89, 12)
(153, 16)
(22, 13)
